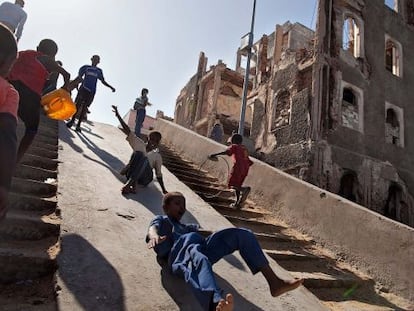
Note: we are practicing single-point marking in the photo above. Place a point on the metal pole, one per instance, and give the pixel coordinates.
(246, 75)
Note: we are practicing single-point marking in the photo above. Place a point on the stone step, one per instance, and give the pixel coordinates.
(18, 226)
(43, 152)
(43, 132)
(24, 171)
(286, 255)
(208, 191)
(27, 260)
(33, 187)
(226, 210)
(322, 280)
(37, 144)
(30, 295)
(255, 225)
(19, 201)
(40, 162)
(190, 170)
(184, 177)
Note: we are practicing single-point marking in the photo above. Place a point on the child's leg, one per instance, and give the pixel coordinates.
(226, 305)
(81, 116)
(187, 260)
(8, 142)
(225, 242)
(139, 120)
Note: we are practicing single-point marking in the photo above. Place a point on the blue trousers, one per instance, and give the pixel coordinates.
(139, 120)
(192, 258)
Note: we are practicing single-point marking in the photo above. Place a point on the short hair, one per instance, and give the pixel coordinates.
(8, 44)
(236, 139)
(144, 90)
(96, 56)
(48, 47)
(168, 197)
(156, 135)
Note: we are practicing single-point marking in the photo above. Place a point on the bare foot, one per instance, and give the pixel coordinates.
(226, 305)
(286, 286)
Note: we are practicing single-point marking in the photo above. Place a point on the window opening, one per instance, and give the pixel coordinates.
(350, 116)
(392, 58)
(351, 37)
(392, 134)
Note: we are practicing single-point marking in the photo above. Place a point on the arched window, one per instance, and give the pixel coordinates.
(394, 125)
(348, 185)
(282, 110)
(350, 116)
(393, 57)
(351, 37)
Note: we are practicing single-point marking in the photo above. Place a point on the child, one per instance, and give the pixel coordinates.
(144, 159)
(28, 75)
(139, 106)
(240, 169)
(9, 101)
(191, 256)
(88, 76)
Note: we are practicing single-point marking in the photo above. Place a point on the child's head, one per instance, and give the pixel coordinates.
(236, 139)
(144, 92)
(173, 204)
(8, 50)
(154, 139)
(95, 60)
(48, 47)
(19, 2)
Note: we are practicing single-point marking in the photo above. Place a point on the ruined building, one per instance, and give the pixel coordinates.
(333, 107)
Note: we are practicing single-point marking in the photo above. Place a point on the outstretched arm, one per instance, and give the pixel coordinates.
(125, 127)
(153, 238)
(213, 155)
(107, 85)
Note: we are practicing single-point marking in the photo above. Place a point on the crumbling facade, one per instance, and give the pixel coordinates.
(332, 107)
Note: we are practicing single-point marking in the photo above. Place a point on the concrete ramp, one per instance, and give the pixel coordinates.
(104, 263)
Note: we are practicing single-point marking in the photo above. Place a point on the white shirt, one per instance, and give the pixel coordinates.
(154, 157)
(14, 17)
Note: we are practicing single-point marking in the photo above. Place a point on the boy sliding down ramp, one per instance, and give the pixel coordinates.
(192, 252)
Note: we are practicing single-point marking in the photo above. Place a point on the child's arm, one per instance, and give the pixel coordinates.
(52, 65)
(213, 155)
(107, 85)
(153, 238)
(161, 182)
(125, 127)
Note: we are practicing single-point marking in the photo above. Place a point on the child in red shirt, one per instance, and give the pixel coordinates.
(9, 102)
(28, 76)
(240, 169)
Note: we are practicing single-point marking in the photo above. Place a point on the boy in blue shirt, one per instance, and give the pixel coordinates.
(191, 253)
(89, 75)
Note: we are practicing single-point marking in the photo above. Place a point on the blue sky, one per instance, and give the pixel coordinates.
(151, 43)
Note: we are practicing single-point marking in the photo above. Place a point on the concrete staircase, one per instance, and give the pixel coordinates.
(29, 237)
(335, 283)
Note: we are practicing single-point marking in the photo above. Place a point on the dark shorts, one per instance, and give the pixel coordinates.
(29, 106)
(84, 97)
(8, 145)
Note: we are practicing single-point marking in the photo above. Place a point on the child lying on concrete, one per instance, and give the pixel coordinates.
(191, 255)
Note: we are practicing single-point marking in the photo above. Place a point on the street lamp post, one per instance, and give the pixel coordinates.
(246, 75)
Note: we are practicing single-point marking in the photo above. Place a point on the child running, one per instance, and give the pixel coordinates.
(9, 102)
(240, 169)
(28, 75)
(191, 255)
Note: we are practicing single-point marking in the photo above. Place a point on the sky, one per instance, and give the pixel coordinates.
(151, 43)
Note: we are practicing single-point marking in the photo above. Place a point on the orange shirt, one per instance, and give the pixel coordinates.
(9, 98)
